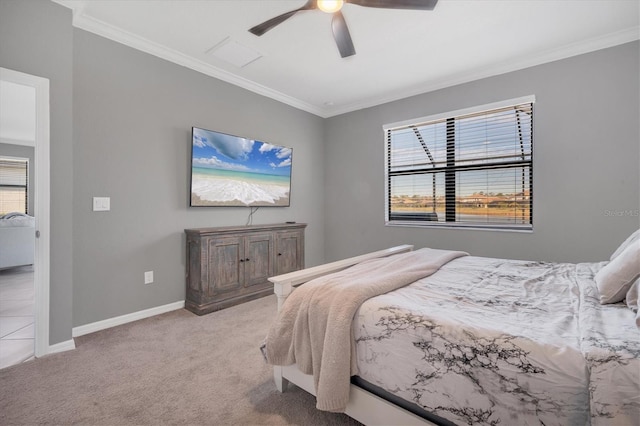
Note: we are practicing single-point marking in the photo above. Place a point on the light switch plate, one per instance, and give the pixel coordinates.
(101, 204)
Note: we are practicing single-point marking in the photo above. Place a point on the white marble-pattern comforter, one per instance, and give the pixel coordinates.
(493, 341)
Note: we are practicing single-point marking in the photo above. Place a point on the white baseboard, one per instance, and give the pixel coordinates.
(123, 319)
(67, 345)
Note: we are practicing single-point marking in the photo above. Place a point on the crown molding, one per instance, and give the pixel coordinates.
(101, 28)
(87, 23)
(563, 52)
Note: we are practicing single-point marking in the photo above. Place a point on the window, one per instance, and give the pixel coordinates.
(466, 169)
(14, 185)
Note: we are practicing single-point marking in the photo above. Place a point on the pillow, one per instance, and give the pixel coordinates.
(631, 239)
(632, 296)
(617, 276)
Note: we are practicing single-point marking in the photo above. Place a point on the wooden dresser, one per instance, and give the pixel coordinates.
(230, 265)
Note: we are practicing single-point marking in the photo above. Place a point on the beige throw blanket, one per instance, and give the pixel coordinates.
(313, 329)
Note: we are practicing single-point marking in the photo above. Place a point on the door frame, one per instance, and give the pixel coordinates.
(41, 204)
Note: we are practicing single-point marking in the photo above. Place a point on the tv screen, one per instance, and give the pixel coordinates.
(228, 170)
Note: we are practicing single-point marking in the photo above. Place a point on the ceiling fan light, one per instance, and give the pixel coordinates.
(330, 6)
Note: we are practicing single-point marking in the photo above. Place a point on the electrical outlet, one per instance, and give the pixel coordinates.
(101, 204)
(148, 277)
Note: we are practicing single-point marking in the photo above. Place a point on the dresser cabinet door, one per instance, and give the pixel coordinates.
(289, 251)
(226, 271)
(258, 265)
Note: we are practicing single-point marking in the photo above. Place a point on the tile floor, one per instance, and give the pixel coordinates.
(16, 315)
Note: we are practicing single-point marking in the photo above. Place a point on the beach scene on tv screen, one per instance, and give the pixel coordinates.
(229, 170)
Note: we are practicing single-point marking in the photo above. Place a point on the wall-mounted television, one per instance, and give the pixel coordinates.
(229, 170)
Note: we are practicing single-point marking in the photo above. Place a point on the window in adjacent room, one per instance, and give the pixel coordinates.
(14, 185)
(470, 168)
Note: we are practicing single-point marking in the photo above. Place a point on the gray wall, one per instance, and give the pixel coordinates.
(586, 163)
(133, 114)
(22, 151)
(36, 38)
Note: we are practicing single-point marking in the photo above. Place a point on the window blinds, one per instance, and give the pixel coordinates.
(14, 181)
(472, 169)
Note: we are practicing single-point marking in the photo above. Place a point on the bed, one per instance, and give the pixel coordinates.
(475, 341)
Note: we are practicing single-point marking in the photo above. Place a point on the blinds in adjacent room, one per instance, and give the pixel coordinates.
(472, 168)
(14, 185)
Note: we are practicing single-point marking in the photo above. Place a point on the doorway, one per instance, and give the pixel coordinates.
(37, 113)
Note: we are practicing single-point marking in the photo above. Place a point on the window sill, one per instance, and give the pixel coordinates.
(466, 227)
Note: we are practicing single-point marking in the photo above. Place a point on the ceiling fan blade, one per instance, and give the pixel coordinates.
(341, 35)
(269, 24)
(397, 4)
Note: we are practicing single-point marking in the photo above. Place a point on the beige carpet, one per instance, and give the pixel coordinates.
(176, 368)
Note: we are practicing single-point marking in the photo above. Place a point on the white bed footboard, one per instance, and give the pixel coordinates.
(283, 284)
(363, 406)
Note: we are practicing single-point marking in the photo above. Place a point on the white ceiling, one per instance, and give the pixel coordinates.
(399, 53)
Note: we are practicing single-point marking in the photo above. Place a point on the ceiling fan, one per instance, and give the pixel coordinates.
(338, 24)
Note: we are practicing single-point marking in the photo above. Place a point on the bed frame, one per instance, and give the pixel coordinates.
(363, 405)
